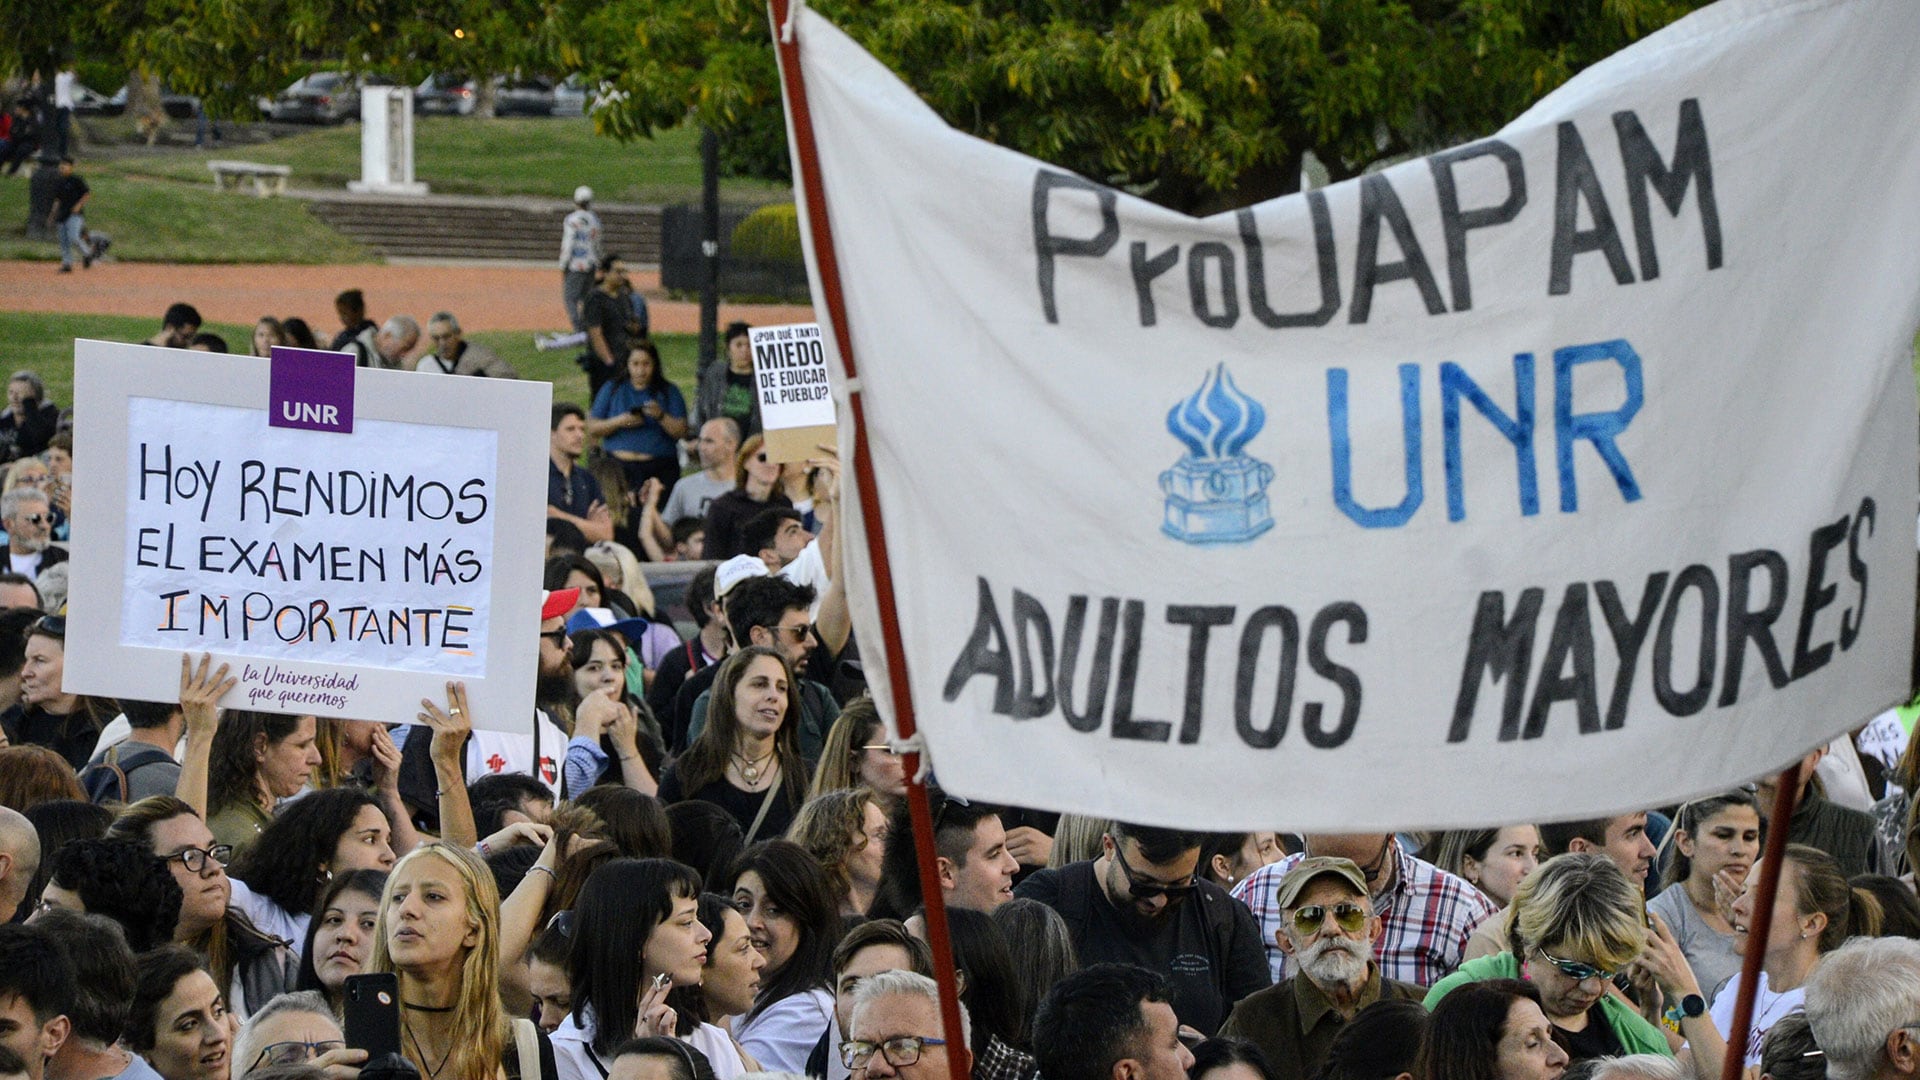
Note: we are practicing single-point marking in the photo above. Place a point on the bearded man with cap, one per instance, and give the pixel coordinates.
(579, 254)
(1328, 928)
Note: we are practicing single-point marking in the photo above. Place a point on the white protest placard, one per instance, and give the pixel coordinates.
(1563, 473)
(795, 393)
(380, 541)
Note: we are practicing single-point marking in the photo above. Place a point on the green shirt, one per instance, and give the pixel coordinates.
(238, 824)
(1636, 1035)
(1294, 1024)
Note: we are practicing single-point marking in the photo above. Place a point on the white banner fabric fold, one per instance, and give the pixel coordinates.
(1567, 472)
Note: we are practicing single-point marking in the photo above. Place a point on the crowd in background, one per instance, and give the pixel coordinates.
(699, 865)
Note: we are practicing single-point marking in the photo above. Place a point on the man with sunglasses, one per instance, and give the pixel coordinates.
(1328, 927)
(1426, 914)
(28, 518)
(1142, 902)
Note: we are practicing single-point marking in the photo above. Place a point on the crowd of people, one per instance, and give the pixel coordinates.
(699, 862)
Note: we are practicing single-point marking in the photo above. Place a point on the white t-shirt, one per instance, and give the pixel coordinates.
(1769, 1009)
(63, 89)
(809, 568)
(574, 1058)
(782, 1038)
(504, 752)
(269, 917)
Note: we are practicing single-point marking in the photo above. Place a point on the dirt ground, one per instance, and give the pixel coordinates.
(484, 297)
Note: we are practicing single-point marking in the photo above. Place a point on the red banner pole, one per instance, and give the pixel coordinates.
(828, 263)
(1777, 826)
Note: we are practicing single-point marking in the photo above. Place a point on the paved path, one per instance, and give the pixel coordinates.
(485, 297)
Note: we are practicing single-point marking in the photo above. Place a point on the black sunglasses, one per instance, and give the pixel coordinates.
(1147, 888)
(50, 626)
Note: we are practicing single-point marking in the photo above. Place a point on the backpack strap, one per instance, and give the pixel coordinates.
(526, 1039)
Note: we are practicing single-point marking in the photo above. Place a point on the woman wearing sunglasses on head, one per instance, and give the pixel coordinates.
(249, 967)
(1574, 924)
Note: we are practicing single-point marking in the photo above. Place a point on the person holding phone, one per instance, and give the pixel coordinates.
(439, 932)
(647, 908)
(641, 419)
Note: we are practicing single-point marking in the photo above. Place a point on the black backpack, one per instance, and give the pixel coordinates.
(106, 780)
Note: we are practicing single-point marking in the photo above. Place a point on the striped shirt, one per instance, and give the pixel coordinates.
(1427, 915)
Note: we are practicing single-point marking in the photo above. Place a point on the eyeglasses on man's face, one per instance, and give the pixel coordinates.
(294, 1053)
(899, 1051)
(1348, 917)
(1145, 888)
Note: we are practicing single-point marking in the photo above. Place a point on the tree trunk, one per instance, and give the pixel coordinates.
(483, 95)
(143, 94)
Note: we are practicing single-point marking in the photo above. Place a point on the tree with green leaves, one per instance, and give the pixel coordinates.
(1195, 104)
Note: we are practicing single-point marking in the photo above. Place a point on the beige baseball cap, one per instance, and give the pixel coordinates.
(1313, 866)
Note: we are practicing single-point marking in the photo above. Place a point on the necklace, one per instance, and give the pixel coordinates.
(432, 1071)
(750, 767)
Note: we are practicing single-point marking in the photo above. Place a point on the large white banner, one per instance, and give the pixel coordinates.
(348, 540)
(1566, 472)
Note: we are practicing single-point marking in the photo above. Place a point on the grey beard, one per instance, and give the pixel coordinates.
(1335, 960)
(33, 545)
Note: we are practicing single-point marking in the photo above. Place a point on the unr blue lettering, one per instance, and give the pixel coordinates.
(1338, 428)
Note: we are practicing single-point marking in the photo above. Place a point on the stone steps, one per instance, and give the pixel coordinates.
(472, 228)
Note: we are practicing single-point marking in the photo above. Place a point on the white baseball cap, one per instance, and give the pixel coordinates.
(583, 194)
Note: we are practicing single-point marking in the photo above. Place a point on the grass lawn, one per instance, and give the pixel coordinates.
(44, 344)
(171, 222)
(461, 155)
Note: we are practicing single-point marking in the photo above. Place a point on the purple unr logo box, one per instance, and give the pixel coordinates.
(311, 389)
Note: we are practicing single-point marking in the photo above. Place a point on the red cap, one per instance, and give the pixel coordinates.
(558, 603)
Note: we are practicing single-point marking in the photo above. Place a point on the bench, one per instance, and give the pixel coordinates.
(266, 179)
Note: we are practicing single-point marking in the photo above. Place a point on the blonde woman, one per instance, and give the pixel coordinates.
(846, 831)
(439, 930)
(1574, 923)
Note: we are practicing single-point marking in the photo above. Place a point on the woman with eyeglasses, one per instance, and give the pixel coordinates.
(439, 930)
(856, 754)
(179, 1020)
(1716, 841)
(644, 908)
(758, 489)
(315, 838)
(846, 831)
(68, 724)
(793, 920)
(747, 757)
(250, 966)
(1574, 924)
(294, 1029)
(340, 935)
(1815, 912)
(258, 759)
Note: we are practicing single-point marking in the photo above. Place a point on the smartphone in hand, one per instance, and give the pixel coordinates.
(371, 1007)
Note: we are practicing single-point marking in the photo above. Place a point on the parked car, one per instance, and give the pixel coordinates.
(324, 97)
(570, 97)
(529, 96)
(90, 102)
(446, 93)
(176, 106)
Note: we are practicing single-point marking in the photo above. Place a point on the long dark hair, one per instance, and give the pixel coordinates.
(283, 864)
(613, 917)
(1691, 817)
(1463, 1034)
(219, 942)
(657, 384)
(371, 883)
(690, 1002)
(706, 760)
(635, 823)
(706, 837)
(994, 996)
(796, 884)
(232, 772)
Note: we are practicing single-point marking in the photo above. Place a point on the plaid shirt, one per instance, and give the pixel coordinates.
(1427, 916)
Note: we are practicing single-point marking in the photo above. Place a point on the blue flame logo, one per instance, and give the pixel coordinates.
(1215, 493)
(1217, 421)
